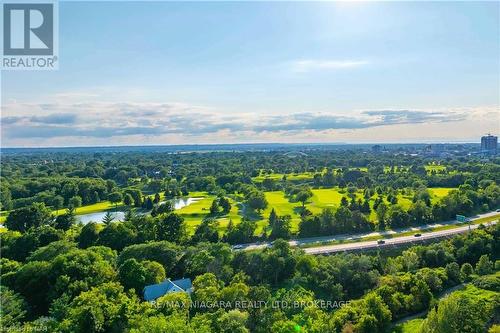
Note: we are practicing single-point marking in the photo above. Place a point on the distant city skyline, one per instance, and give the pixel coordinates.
(162, 73)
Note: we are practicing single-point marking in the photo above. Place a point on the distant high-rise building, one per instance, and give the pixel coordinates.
(489, 144)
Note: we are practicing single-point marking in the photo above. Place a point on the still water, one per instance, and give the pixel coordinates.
(119, 215)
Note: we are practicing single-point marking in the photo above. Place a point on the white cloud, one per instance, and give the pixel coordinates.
(304, 66)
(146, 123)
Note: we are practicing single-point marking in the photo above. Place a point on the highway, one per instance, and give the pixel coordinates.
(354, 243)
(359, 246)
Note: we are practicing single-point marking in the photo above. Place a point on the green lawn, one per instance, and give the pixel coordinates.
(322, 198)
(197, 211)
(280, 203)
(439, 192)
(434, 167)
(194, 213)
(410, 326)
(94, 208)
(279, 176)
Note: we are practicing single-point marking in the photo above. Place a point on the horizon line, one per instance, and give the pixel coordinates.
(249, 144)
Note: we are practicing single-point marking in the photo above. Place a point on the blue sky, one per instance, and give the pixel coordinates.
(199, 72)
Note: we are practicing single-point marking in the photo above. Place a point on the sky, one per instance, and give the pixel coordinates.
(133, 73)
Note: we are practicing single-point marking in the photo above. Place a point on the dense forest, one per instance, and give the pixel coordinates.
(59, 274)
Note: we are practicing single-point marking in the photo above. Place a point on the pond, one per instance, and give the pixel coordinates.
(183, 202)
(97, 217)
(120, 215)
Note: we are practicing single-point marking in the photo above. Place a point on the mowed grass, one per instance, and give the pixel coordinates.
(279, 176)
(439, 192)
(321, 199)
(280, 203)
(410, 326)
(308, 176)
(435, 167)
(88, 209)
(194, 213)
(324, 198)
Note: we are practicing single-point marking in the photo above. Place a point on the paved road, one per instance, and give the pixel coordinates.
(390, 242)
(356, 245)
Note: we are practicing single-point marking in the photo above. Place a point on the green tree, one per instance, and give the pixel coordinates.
(50, 251)
(136, 275)
(148, 203)
(241, 233)
(166, 253)
(453, 272)
(13, 310)
(57, 202)
(458, 313)
(89, 235)
(422, 295)
(272, 218)
(77, 271)
(303, 196)
(95, 198)
(467, 270)
(172, 228)
(177, 303)
(206, 287)
(420, 212)
(398, 217)
(33, 282)
(381, 215)
(163, 324)
(107, 218)
(115, 198)
(128, 200)
(342, 219)
(282, 227)
(233, 321)
(374, 306)
(484, 265)
(206, 231)
(75, 202)
(225, 205)
(214, 208)
(25, 218)
(117, 236)
(163, 208)
(105, 308)
(5, 197)
(257, 201)
(66, 220)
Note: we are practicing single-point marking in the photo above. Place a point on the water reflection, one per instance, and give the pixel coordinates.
(120, 215)
(97, 217)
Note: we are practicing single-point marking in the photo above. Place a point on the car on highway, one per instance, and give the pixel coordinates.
(381, 241)
(237, 247)
(417, 235)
